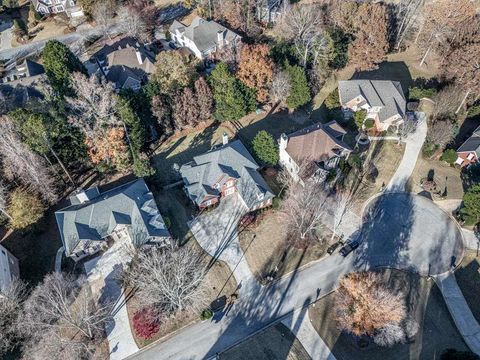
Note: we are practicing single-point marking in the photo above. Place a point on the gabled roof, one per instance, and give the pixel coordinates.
(204, 33)
(131, 204)
(472, 144)
(317, 142)
(382, 93)
(217, 166)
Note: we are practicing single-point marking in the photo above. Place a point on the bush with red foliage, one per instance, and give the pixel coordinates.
(146, 322)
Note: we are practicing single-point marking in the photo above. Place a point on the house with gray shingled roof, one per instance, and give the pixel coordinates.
(224, 171)
(95, 219)
(69, 7)
(383, 100)
(469, 152)
(203, 37)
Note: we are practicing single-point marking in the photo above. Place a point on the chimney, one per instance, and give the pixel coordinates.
(139, 57)
(225, 139)
(283, 141)
(220, 37)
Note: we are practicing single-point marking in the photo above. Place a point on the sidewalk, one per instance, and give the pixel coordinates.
(300, 324)
(466, 324)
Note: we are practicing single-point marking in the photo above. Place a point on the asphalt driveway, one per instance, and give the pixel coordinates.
(408, 232)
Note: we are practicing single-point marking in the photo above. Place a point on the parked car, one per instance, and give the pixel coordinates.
(349, 247)
(331, 249)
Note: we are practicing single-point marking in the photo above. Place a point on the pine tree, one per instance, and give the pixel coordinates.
(299, 91)
(59, 63)
(265, 148)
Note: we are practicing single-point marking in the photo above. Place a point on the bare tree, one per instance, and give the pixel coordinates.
(3, 200)
(365, 305)
(64, 304)
(24, 163)
(303, 210)
(441, 133)
(103, 15)
(446, 101)
(170, 278)
(390, 334)
(343, 202)
(280, 88)
(11, 299)
(408, 14)
(133, 24)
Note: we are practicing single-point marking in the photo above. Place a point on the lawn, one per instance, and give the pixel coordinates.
(381, 161)
(275, 343)
(437, 330)
(269, 248)
(220, 283)
(468, 279)
(446, 177)
(181, 149)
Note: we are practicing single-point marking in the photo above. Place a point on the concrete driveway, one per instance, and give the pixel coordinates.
(216, 232)
(409, 232)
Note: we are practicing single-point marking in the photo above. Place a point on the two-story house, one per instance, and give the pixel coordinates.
(127, 213)
(469, 152)
(9, 270)
(203, 37)
(383, 100)
(69, 7)
(224, 171)
(319, 144)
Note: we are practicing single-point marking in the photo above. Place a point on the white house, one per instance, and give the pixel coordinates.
(69, 7)
(203, 37)
(9, 270)
(383, 100)
(319, 144)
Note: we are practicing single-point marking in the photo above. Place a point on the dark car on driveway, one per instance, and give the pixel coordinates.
(331, 249)
(349, 247)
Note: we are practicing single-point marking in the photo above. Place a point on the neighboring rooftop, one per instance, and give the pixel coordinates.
(27, 71)
(472, 144)
(228, 161)
(382, 93)
(204, 33)
(317, 142)
(94, 215)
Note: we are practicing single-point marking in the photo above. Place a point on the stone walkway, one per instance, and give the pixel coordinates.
(300, 324)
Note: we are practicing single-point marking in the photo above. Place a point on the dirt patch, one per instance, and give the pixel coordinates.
(424, 301)
(269, 253)
(446, 177)
(221, 284)
(468, 279)
(381, 162)
(275, 343)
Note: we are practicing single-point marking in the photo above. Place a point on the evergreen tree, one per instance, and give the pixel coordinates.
(299, 91)
(59, 63)
(233, 100)
(265, 148)
(471, 205)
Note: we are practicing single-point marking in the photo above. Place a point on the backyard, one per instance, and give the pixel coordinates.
(275, 343)
(425, 303)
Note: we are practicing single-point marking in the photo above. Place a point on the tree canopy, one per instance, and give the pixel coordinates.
(265, 148)
(299, 92)
(471, 205)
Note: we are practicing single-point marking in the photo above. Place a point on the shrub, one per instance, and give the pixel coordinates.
(24, 208)
(369, 123)
(417, 93)
(332, 101)
(429, 149)
(471, 205)
(20, 28)
(276, 202)
(146, 322)
(167, 221)
(473, 110)
(299, 92)
(359, 118)
(332, 174)
(354, 161)
(450, 156)
(206, 314)
(265, 148)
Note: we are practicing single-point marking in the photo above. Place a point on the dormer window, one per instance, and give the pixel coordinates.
(260, 196)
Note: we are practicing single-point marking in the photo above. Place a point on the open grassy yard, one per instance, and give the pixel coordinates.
(468, 279)
(269, 248)
(275, 343)
(220, 285)
(382, 160)
(437, 331)
(446, 177)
